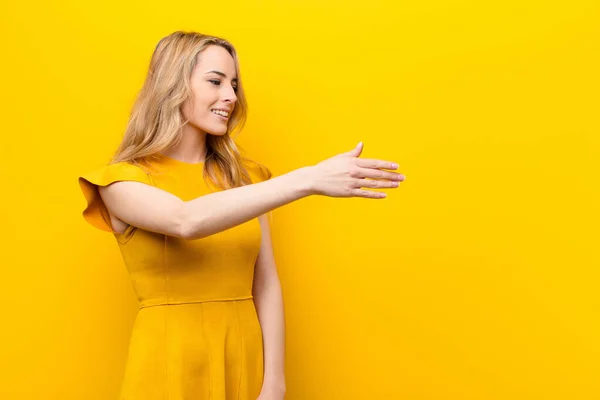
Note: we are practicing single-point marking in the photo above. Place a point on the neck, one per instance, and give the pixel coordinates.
(192, 146)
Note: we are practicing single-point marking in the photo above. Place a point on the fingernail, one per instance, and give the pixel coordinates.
(394, 165)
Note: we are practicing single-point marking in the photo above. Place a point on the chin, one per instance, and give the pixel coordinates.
(217, 132)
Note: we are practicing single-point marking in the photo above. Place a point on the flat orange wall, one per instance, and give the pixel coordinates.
(476, 280)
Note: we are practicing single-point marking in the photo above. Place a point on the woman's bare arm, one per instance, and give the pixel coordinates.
(156, 210)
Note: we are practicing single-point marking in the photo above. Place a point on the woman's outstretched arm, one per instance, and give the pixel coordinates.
(156, 210)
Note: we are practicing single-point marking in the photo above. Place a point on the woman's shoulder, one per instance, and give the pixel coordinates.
(95, 211)
(111, 172)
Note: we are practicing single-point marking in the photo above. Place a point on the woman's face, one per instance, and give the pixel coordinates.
(214, 86)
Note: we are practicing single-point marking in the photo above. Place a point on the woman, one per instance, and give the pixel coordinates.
(189, 215)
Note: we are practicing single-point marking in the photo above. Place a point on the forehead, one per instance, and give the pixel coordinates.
(216, 58)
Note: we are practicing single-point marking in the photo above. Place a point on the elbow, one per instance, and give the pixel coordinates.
(180, 224)
(185, 226)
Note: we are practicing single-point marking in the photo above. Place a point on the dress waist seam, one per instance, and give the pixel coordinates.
(178, 303)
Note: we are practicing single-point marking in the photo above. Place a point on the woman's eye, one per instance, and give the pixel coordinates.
(217, 83)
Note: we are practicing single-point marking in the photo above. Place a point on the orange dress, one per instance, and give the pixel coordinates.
(197, 335)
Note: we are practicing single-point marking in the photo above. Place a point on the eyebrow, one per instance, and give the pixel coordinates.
(220, 73)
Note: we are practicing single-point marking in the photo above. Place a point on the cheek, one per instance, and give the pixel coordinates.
(186, 110)
(198, 110)
(203, 99)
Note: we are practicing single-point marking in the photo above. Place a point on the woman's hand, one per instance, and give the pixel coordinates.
(344, 175)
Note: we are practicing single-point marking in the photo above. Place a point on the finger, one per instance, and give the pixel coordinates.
(379, 174)
(377, 164)
(355, 152)
(376, 184)
(369, 194)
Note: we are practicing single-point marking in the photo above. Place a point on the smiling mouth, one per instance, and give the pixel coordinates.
(219, 113)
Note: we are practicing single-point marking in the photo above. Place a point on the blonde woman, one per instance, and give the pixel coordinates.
(189, 214)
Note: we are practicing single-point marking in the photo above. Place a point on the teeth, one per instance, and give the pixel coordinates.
(219, 112)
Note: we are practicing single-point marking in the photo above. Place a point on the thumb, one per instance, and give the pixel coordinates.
(355, 152)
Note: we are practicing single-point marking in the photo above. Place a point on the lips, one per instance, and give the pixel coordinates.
(220, 116)
(217, 111)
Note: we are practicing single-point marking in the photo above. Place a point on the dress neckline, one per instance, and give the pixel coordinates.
(174, 161)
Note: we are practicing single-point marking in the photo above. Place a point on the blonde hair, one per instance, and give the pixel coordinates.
(156, 120)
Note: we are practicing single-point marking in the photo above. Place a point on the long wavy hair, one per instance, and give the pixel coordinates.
(156, 120)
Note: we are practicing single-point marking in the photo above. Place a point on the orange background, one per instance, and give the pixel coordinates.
(476, 279)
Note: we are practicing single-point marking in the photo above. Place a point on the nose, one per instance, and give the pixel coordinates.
(230, 96)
